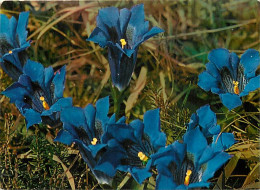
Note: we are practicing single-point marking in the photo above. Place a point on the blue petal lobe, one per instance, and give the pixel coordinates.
(15, 92)
(64, 137)
(234, 61)
(140, 174)
(220, 57)
(222, 142)
(253, 84)
(214, 164)
(207, 119)
(94, 149)
(73, 116)
(59, 80)
(250, 61)
(207, 154)
(35, 71)
(124, 19)
(48, 75)
(151, 33)
(90, 113)
(57, 106)
(109, 16)
(231, 101)
(152, 128)
(21, 27)
(198, 185)
(102, 108)
(192, 136)
(32, 117)
(206, 81)
(212, 70)
(164, 182)
(98, 36)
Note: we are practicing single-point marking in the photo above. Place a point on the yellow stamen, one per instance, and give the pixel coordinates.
(187, 178)
(236, 89)
(10, 52)
(123, 43)
(94, 141)
(142, 156)
(44, 103)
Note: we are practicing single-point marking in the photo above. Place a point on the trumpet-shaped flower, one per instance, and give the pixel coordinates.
(140, 141)
(189, 164)
(122, 31)
(229, 76)
(13, 43)
(38, 94)
(205, 119)
(87, 128)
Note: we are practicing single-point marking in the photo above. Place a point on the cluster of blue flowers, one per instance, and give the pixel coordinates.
(107, 145)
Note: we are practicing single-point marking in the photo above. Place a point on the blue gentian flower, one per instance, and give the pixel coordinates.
(87, 129)
(38, 94)
(229, 76)
(205, 119)
(122, 31)
(140, 141)
(188, 164)
(13, 43)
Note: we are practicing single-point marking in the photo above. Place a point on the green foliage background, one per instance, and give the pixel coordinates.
(165, 76)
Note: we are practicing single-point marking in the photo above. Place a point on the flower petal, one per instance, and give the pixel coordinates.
(234, 61)
(192, 136)
(94, 149)
(64, 137)
(32, 117)
(214, 164)
(138, 128)
(250, 61)
(48, 76)
(152, 128)
(194, 121)
(206, 81)
(165, 182)
(35, 71)
(207, 120)
(220, 57)
(21, 27)
(109, 16)
(146, 36)
(207, 154)
(140, 174)
(102, 108)
(124, 16)
(90, 114)
(57, 106)
(121, 132)
(88, 158)
(58, 81)
(137, 16)
(73, 116)
(198, 185)
(109, 162)
(253, 84)
(231, 101)
(15, 92)
(7, 29)
(222, 142)
(212, 70)
(98, 36)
